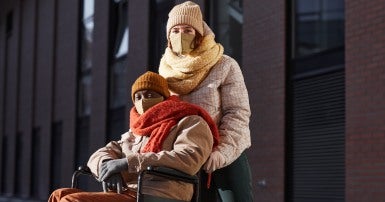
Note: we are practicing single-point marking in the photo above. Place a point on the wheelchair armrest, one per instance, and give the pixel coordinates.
(171, 173)
(168, 173)
(82, 170)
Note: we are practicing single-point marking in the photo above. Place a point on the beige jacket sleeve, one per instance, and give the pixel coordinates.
(112, 150)
(234, 125)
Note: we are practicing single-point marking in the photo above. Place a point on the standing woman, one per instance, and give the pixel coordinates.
(197, 70)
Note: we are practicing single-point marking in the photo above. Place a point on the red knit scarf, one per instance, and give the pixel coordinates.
(157, 121)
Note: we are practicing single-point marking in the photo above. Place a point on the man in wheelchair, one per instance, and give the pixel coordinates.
(164, 131)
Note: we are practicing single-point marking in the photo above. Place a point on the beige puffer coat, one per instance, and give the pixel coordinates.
(224, 95)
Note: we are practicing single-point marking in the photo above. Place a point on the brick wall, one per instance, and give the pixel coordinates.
(365, 100)
(264, 70)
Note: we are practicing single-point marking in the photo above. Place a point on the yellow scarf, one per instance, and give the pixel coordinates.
(185, 73)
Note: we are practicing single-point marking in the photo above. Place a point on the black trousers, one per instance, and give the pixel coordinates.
(232, 183)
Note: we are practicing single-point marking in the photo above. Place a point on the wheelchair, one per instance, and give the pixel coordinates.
(164, 172)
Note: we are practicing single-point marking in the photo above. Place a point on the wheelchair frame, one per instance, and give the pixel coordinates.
(165, 172)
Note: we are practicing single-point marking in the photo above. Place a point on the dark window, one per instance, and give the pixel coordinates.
(119, 27)
(84, 84)
(226, 20)
(8, 32)
(36, 162)
(318, 138)
(85, 79)
(118, 92)
(82, 146)
(56, 154)
(18, 164)
(9, 25)
(158, 41)
(319, 26)
(119, 40)
(316, 102)
(82, 141)
(4, 148)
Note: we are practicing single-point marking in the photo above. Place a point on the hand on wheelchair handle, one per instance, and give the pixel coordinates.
(113, 183)
(214, 162)
(111, 167)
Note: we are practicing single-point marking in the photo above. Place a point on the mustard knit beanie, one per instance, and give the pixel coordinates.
(185, 13)
(150, 81)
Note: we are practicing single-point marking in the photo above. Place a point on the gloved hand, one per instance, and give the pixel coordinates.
(114, 182)
(108, 168)
(215, 161)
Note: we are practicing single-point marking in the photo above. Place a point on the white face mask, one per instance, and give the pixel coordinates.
(146, 103)
(182, 43)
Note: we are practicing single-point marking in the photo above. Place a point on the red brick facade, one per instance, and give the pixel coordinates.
(264, 70)
(365, 100)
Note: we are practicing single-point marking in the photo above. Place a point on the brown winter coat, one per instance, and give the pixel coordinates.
(186, 148)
